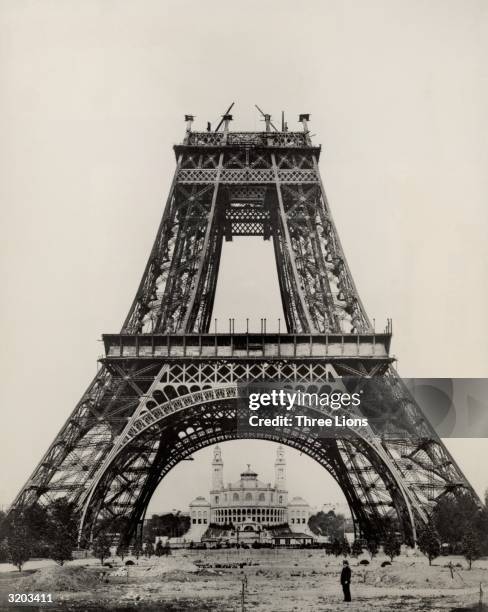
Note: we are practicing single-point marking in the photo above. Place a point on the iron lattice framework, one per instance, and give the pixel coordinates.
(167, 387)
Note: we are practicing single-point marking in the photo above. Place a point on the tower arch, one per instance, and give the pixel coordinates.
(215, 422)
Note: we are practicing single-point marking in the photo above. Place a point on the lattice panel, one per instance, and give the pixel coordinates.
(234, 372)
(261, 139)
(297, 175)
(197, 175)
(246, 228)
(245, 193)
(247, 220)
(287, 139)
(202, 139)
(246, 175)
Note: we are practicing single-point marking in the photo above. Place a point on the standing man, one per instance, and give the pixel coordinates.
(346, 580)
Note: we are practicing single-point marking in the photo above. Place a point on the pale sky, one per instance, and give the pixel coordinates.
(92, 98)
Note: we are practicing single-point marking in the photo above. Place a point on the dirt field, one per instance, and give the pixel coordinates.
(276, 581)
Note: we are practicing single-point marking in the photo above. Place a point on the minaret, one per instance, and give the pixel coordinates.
(280, 469)
(217, 470)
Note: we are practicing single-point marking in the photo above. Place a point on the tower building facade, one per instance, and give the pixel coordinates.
(280, 469)
(217, 469)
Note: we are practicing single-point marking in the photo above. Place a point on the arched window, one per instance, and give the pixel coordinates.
(248, 496)
(281, 499)
(216, 499)
(235, 497)
(261, 497)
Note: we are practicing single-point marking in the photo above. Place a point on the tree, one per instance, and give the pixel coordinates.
(61, 550)
(137, 549)
(453, 516)
(471, 547)
(34, 521)
(101, 546)
(429, 543)
(61, 530)
(171, 525)
(327, 524)
(122, 551)
(19, 545)
(17, 537)
(159, 549)
(3, 538)
(345, 547)
(372, 547)
(3, 551)
(149, 549)
(481, 527)
(458, 513)
(336, 548)
(357, 548)
(38, 531)
(391, 545)
(37, 524)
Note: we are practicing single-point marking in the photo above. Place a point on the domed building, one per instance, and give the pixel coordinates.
(249, 504)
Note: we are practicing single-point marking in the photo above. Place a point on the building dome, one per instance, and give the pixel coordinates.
(298, 501)
(249, 473)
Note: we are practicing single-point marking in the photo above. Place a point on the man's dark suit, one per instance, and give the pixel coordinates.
(346, 582)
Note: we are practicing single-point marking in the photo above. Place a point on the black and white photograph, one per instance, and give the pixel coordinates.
(244, 284)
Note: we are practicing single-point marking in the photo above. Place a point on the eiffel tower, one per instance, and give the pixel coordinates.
(168, 385)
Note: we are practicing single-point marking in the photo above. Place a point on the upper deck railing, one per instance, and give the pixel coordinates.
(248, 345)
(255, 139)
